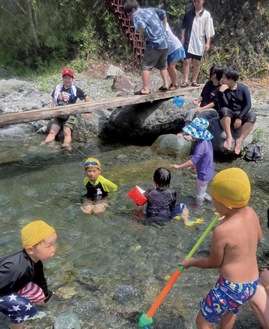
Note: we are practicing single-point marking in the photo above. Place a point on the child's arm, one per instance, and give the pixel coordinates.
(215, 258)
(198, 100)
(108, 186)
(186, 164)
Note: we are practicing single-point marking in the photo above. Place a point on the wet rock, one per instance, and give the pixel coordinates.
(67, 321)
(143, 123)
(124, 293)
(172, 145)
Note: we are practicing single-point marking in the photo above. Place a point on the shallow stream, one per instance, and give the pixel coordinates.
(109, 269)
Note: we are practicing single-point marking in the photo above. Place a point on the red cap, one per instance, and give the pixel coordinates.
(68, 72)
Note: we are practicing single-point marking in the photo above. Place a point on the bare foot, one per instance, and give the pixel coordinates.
(228, 144)
(67, 147)
(238, 146)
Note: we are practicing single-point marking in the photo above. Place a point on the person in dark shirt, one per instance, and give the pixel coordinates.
(161, 201)
(234, 109)
(206, 104)
(22, 280)
(64, 94)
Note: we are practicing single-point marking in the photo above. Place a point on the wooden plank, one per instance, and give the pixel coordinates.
(83, 107)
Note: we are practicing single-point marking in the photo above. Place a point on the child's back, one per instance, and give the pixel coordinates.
(238, 237)
(160, 202)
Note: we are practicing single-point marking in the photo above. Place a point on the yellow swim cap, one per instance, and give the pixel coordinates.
(35, 232)
(231, 187)
(92, 162)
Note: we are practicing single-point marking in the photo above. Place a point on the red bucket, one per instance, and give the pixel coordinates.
(136, 194)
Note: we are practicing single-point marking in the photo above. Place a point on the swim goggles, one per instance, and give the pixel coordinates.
(93, 163)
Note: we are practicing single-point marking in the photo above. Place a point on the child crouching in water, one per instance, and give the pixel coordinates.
(22, 280)
(161, 202)
(233, 251)
(97, 187)
(202, 158)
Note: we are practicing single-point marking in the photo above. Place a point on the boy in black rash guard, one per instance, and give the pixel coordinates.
(234, 109)
(97, 187)
(22, 280)
(161, 203)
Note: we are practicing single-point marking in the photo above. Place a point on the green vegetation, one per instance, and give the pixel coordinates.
(38, 36)
(258, 135)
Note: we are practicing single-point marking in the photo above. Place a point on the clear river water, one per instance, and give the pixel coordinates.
(108, 269)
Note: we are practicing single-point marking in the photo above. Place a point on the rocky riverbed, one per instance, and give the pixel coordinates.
(110, 268)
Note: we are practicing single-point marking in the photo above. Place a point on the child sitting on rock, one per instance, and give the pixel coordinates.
(97, 187)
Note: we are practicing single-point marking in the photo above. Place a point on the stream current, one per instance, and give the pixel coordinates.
(108, 269)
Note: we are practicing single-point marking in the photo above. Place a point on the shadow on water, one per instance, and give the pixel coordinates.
(110, 268)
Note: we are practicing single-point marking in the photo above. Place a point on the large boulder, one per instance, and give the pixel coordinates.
(219, 136)
(143, 123)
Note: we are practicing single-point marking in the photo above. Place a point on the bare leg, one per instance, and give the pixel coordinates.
(54, 130)
(17, 325)
(227, 322)
(186, 69)
(246, 129)
(195, 69)
(226, 125)
(145, 79)
(260, 306)
(173, 73)
(164, 75)
(202, 323)
(67, 138)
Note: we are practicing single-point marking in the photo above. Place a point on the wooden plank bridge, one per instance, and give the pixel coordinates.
(84, 107)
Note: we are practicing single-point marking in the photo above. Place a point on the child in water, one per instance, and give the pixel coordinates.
(233, 251)
(161, 202)
(22, 280)
(97, 187)
(202, 158)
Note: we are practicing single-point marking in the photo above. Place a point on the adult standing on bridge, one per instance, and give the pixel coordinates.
(64, 94)
(197, 31)
(151, 24)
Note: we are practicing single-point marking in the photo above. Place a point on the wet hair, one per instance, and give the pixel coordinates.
(231, 73)
(216, 70)
(129, 6)
(162, 177)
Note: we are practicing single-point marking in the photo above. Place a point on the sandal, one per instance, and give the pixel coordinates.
(184, 84)
(162, 88)
(195, 84)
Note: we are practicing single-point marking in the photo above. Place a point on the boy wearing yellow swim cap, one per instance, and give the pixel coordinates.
(97, 187)
(233, 251)
(22, 280)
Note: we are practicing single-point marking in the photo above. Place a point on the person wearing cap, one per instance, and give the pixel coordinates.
(233, 251)
(22, 280)
(64, 94)
(202, 158)
(97, 187)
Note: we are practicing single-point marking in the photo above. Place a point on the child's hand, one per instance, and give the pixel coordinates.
(186, 263)
(48, 296)
(175, 166)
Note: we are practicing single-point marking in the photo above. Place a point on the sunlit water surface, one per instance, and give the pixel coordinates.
(109, 269)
